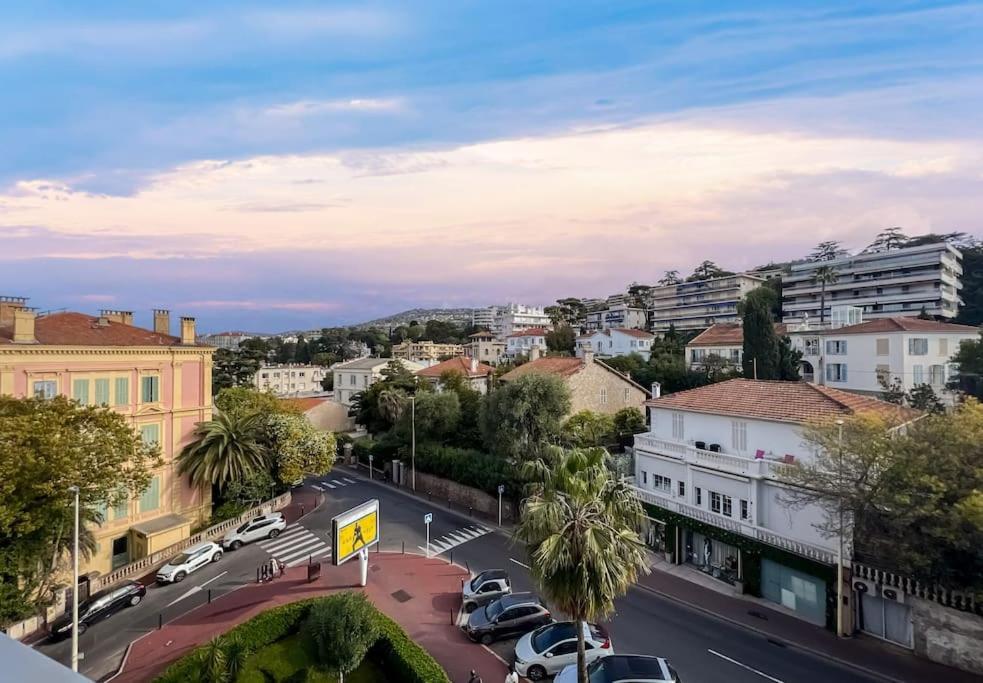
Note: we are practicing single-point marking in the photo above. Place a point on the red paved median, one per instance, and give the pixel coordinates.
(433, 585)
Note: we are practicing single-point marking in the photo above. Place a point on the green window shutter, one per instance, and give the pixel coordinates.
(80, 390)
(102, 510)
(150, 434)
(102, 392)
(122, 391)
(122, 510)
(149, 389)
(150, 500)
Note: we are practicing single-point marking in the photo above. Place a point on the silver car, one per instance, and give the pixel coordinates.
(264, 526)
(484, 588)
(549, 649)
(192, 559)
(623, 668)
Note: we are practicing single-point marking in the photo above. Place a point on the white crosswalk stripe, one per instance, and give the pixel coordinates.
(330, 486)
(315, 486)
(455, 538)
(296, 545)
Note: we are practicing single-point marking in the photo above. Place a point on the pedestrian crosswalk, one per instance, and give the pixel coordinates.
(296, 545)
(456, 538)
(333, 483)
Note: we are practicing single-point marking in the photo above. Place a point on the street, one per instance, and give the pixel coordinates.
(699, 646)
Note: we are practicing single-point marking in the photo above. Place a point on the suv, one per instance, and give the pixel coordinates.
(194, 558)
(508, 616)
(264, 526)
(489, 585)
(634, 668)
(98, 606)
(548, 649)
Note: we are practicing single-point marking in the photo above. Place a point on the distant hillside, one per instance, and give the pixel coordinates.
(421, 315)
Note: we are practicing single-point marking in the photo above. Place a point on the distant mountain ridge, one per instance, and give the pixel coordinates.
(421, 315)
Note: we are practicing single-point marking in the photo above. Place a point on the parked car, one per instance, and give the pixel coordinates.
(264, 526)
(192, 559)
(97, 607)
(634, 668)
(547, 650)
(487, 586)
(510, 615)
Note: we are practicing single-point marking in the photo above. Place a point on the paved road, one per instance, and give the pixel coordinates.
(700, 647)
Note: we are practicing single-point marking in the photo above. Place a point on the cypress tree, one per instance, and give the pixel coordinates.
(760, 342)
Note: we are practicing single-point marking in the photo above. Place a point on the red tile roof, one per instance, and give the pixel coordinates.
(79, 329)
(306, 403)
(531, 332)
(480, 333)
(797, 402)
(459, 364)
(727, 334)
(899, 324)
(564, 367)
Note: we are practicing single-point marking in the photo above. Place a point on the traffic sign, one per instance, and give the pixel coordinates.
(427, 518)
(501, 489)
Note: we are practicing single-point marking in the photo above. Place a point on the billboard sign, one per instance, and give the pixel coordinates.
(354, 530)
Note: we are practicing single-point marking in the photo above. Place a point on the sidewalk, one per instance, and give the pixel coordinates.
(867, 653)
(422, 595)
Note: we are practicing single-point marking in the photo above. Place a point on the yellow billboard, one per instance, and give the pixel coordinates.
(355, 530)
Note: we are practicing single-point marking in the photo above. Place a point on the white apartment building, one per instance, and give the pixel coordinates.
(714, 455)
(522, 343)
(616, 342)
(226, 340)
(483, 318)
(698, 305)
(290, 379)
(613, 315)
(882, 284)
(358, 375)
(723, 340)
(857, 357)
(513, 318)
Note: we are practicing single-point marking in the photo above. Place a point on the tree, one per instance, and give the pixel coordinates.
(707, 270)
(789, 360)
(923, 397)
(824, 275)
(224, 449)
(297, 449)
(391, 403)
(637, 294)
(969, 359)
(569, 311)
(524, 415)
(238, 402)
(893, 391)
(923, 314)
(342, 632)
(671, 277)
(888, 239)
(580, 528)
(437, 417)
(234, 368)
(47, 446)
(587, 428)
(468, 432)
(562, 339)
(629, 421)
(972, 292)
(827, 251)
(762, 352)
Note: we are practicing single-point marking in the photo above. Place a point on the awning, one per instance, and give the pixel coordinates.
(156, 526)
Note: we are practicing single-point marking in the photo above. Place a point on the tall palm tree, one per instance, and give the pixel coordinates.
(580, 526)
(225, 449)
(391, 404)
(824, 275)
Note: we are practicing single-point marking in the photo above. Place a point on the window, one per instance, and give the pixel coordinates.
(150, 389)
(812, 347)
(80, 390)
(102, 392)
(836, 347)
(682, 489)
(150, 435)
(678, 426)
(836, 372)
(276, 374)
(699, 495)
(45, 389)
(351, 379)
(122, 397)
(943, 347)
(150, 499)
(883, 347)
(627, 395)
(604, 395)
(745, 509)
(122, 509)
(661, 483)
(645, 478)
(728, 506)
(918, 374)
(714, 502)
(738, 435)
(936, 375)
(300, 374)
(264, 375)
(918, 346)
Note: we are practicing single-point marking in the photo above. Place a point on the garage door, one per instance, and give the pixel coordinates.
(885, 619)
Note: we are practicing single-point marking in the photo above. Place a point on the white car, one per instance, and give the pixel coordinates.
(486, 587)
(192, 559)
(264, 526)
(549, 649)
(623, 668)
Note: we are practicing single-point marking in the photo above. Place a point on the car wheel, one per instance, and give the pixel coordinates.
(135, 600)
(83, 627)
(236, 545)
(486, 639)
(470, 607)
(179, 577)
(536, 673)
(217, 556)
(274, 533)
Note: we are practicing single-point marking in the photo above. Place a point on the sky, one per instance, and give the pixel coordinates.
(289, 165)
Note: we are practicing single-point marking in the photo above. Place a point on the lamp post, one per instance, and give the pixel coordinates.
(839, 550)
(413, 441)
(75, 583)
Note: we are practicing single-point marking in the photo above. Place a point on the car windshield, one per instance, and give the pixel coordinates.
(179, 559)
(242, 528)
(494, 609)
(476, 581)
(547, 637)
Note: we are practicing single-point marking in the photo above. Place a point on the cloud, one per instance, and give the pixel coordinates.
(304, 108)
(266, 305)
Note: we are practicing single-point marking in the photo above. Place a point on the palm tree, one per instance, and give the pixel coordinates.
(391, 404)
(224, 449)
(580, 527)
(824, 275)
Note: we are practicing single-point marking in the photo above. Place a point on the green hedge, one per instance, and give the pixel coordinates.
(403, 660)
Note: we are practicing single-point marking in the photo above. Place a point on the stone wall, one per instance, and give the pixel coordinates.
(946, 635)
(586, 391)
(460, 496)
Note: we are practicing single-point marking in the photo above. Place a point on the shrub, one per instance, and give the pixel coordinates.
(401, 658)
(465, 466)
(342, 631)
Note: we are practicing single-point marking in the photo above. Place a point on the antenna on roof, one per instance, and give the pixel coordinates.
(50, 311)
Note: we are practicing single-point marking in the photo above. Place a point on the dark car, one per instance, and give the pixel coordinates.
(510, 615)
(98, 606)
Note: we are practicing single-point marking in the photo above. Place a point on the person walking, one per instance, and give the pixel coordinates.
(475, 678)
(512, 676)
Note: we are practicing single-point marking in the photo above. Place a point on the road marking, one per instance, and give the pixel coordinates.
(315, 486)
(349, 480)
(302, 560)
(745, 666)
(304, 548)
(512, 559)
(274, 544)
(329, 485)
(454, 538)
(196, 589)
(214, 578)
(303, 553)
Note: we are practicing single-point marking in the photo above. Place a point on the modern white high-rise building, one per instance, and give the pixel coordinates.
(483, 318)
(898, 282)
(513, 318)
(700, 304)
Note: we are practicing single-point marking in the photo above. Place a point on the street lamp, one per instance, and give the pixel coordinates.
(75, 584)
(413, 441)
(839, 550)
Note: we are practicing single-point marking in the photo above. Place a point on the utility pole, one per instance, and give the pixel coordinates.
(501, 490)
(839, 551)
(75, 584)
(413, 440)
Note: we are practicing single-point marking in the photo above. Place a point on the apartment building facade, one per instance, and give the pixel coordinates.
(616, 315)
(425, 351)
(709, 472)
(290, 379)
(160, 383)
(899, 282)
(698, 305)
(483, 318)
(226, 340)
(526, 342)
(616, 342)
(485, 347)
(724, 341)
(513, 318)
(358, 375)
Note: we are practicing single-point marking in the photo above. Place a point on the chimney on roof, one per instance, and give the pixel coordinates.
(588, 356)
(656, 389)
(187, 330)
(125, 317)
(24, 325)
(9, 304)
(534, 353)
(162, 321)
(474, 365)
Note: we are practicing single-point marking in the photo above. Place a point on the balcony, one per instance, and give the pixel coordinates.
(758, 468)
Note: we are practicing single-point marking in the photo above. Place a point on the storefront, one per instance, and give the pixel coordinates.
(795, 590)
(653, 532)
(716, 558)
